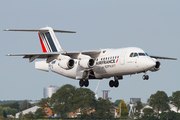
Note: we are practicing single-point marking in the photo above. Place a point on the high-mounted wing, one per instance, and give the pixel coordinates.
(158, 57)
(91, 53)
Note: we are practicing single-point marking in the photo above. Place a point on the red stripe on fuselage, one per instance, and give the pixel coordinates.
(42, 44)
(116, 60)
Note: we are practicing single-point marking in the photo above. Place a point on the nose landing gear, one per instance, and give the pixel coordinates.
(145, 77)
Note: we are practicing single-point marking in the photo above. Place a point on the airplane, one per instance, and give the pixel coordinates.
(90, 64)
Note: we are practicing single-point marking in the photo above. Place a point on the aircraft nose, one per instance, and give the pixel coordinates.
(151, 63)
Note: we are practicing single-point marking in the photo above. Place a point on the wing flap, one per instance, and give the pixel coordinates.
(91, 53)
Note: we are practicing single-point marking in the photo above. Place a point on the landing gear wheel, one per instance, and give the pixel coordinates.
(116, 83)
(111, 83)
(86, 83)
(81, 83)
(145, 77)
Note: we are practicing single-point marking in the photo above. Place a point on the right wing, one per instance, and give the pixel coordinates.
(158, 57)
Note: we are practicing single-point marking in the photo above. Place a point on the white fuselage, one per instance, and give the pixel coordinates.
(109, 63)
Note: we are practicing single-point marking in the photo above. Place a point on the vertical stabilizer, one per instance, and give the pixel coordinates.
(49, 41)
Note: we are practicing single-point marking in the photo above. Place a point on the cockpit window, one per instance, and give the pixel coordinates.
(146, 54)
(141, 54)
(135, 54)
(131, 55)
(53, 62)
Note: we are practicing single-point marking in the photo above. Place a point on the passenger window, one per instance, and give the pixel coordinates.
(131, 55)
(135, 54)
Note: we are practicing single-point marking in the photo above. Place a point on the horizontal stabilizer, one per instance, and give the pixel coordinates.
(39, 30)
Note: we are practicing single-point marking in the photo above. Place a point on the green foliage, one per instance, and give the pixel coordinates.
(175, 98)
(149, 114)
(20, 116)
(124, 110)
(1, 117)
(4, 114)
(159, 101)
(1, 111)
(40, 113)
(62, 99)
(25, 105)
(138, 107)
(45, 102)
(29, 115)
(14, 105)
(7, 111)
(83, 98)
(171, 115)
(117, 102)
(103, 108)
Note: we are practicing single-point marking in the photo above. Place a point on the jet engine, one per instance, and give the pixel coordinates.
(156, 67)
(86, 62)
(65, 62)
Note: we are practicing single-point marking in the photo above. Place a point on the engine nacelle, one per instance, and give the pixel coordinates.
(157, 67)
(86, 63)
(66, 63)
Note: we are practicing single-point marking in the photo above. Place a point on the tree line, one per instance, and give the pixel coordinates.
(13, 108)
(160, 104)
(68, 99)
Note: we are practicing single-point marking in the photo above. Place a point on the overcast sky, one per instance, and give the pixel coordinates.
(151, 25)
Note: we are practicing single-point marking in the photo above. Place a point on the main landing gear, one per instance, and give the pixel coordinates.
(113, 83)
(83, 83)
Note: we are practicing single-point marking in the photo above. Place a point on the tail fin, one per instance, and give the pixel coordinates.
(49, 41)
(47, 38)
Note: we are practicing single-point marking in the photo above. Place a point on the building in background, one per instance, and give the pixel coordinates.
(134, 100)
(105, 94)
(49, 91)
